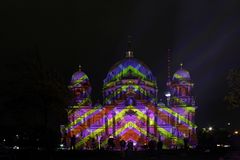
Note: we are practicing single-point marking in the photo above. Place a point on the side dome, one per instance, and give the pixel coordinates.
(81, 89)
(181, 74)
(129, 67)
(80, 80)
(79, 77)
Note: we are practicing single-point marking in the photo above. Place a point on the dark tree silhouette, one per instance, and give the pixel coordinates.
(37, 94)
(233, 95)
(54, 97)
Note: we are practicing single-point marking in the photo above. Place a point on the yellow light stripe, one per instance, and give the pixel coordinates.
(161, 130)
(182, 118)
(117, 91)
(175, 114)
(79, 81)
(101, 129)
(91, 111)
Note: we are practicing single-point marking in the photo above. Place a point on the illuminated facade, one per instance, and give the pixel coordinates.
(130, 108)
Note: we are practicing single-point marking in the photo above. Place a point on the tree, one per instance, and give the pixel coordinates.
(32, 87)
(54, 97)
(233, 95)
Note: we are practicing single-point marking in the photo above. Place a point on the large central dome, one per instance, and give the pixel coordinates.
(129, 68)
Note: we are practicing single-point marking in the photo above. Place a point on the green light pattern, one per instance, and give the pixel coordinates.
(79, 81)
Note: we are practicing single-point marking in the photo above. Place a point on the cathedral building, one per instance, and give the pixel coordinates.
(130, 110)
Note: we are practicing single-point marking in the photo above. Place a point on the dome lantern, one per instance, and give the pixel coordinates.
(129, 53)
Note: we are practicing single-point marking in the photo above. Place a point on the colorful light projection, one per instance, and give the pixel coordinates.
(165, 133)
(130, 66)
(140, 122)
(81, 88)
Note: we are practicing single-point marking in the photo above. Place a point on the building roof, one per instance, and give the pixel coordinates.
(79, 78)
(181, 74)
(129, 66)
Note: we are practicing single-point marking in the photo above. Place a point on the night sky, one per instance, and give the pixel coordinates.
(203, 34)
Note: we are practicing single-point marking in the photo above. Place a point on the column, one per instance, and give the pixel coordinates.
(155, 123)
(147, 124)
(114, 124)
(106, 125)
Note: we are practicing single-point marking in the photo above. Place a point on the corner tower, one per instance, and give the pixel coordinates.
(181, 89)
(81, 89)
(80, 104)
(183, 104)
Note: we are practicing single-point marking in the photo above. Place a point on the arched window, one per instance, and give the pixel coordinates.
(130, 101)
